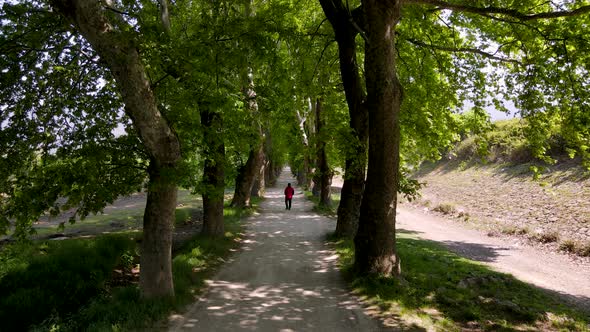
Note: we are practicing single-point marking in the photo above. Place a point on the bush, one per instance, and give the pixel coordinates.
(568, 246)
(546, 237)
(445, 208)
(59, 279)
(514, 230)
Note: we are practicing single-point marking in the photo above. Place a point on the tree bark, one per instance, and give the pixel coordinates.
(246, 177)
(247, 173)
(375, 245)
(356, 162)
(259, 181)
(109, 36)
(314, 163)
(304, 173)
(155, 278)
(213, 172)
(266, 176)
(323, 171)
(270, 176)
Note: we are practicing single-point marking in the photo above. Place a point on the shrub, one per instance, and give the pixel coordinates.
(445, 208)
(568, 246)
(514, 230)
(578, 248)
(546, 237)
(583, 249)
(58, 280)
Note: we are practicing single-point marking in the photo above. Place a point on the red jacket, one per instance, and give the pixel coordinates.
(289, 192)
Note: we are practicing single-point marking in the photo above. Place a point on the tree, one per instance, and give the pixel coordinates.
(108, 37)
(52, 147)
(346, 31)
(324, 173)
(439, 35)
(248, 172)
(213, 186)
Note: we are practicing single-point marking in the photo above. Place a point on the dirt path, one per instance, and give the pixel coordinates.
(285, 278)
(554, 272)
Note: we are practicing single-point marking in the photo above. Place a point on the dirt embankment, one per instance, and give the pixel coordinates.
(553, 211)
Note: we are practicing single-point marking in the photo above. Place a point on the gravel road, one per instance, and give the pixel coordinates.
(551, 271)
(284, 278)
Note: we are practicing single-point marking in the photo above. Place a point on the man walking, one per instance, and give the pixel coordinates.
(289, 192)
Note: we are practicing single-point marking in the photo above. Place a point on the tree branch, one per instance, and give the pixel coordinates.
(464, 50)
(486, 11)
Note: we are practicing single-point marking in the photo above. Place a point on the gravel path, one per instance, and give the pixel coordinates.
(554, 272)
(285, 278)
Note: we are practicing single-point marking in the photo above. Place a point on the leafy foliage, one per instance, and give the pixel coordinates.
(55, 279)
(59, 112)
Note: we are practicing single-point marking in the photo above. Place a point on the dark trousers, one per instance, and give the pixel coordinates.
(288, 203)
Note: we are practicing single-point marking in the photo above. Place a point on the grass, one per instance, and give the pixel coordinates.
(128, 217)
(575, 247)
(545, 237)
(444, 292)
(514, 230)
(50, 280)
(322, 209)
(90, 284)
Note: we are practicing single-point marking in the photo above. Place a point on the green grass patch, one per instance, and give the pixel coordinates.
(514, 230)
(330, 210)
(192, 264)
(127, 217)
(51, 280)
(446, 292)
(74, 285)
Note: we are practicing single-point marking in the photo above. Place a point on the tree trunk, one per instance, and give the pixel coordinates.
(316, 179)
(246, 176)
(270, 176)
(350, 199)
(247, 173)
(259, 181)
(356, 162)
(375, 249)
(304, 172)
(155, 278)
(324, 173)
(110, 37)
(213, 173)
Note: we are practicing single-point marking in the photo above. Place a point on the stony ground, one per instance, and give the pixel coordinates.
(505, 201)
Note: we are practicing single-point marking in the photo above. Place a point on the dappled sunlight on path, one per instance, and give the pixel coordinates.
(284, 278)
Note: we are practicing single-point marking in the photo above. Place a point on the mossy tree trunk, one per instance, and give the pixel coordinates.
(213, 183)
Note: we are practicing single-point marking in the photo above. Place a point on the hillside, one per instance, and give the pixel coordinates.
(503, 196)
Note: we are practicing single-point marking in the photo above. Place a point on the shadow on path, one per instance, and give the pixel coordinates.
(284, 278)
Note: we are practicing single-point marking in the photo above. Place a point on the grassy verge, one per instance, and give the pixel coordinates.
(322, 209)
(124, 218)
(90, 284)
(444, 292)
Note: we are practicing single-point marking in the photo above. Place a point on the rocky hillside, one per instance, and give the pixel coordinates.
(552, 211)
